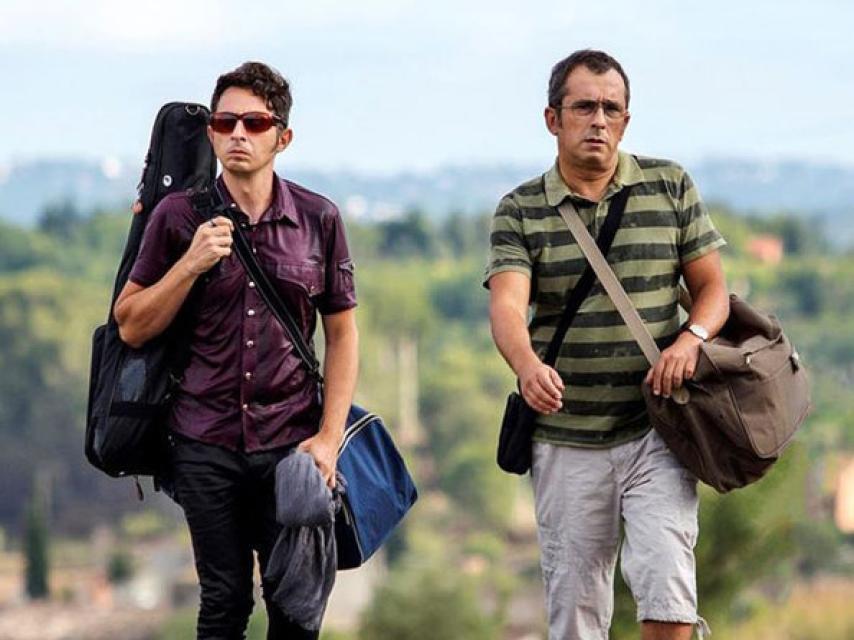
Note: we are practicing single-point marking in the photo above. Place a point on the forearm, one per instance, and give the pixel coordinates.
(341, 368)
(510, 333)
(710, 306)
(147, 313)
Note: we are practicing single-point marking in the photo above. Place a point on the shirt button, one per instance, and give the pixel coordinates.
(254, 250)
(245, 407)
(250, 343)
(248, 375)
(250, 313)
(251, 284)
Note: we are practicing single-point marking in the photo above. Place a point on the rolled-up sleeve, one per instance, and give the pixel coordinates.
(156, 251)
(340, 288)
(508, 250)
(697, 233)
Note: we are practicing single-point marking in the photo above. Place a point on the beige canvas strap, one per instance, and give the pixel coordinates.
(614, 289)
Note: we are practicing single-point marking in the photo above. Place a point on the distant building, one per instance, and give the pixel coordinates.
(844, 511)
(766, 248)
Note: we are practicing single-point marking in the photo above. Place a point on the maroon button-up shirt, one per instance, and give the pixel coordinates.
(245, 388)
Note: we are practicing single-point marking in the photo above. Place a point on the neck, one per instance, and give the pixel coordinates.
(253, 192)
(589, 182)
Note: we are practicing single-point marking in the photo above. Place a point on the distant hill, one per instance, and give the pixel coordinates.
(815, 190)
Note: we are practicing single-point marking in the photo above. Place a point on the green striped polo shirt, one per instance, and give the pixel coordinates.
(665, 225)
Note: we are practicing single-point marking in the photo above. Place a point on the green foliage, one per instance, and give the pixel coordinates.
(406, 237)
(435, 603)
(60, 219)
(419, 285)
(458, 295)
(145, 524)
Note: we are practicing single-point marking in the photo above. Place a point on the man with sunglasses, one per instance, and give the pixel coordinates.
(597, 465)
(245, 398)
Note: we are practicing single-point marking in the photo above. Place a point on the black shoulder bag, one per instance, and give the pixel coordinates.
(517, 426)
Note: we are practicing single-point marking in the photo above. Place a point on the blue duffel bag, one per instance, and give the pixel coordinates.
(378, 492)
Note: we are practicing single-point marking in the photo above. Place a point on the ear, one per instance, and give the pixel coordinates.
(552, 117)
(210, 134)
(626, 119)
(284, 140)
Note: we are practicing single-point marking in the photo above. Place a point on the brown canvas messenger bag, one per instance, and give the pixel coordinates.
(749, 393)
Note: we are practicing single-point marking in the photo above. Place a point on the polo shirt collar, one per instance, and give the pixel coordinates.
(628, 172)
(282, 205)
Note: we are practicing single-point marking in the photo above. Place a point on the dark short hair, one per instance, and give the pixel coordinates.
(598, 62)
(262, 80)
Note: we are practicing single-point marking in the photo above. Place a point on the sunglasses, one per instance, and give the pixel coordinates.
(253, 121)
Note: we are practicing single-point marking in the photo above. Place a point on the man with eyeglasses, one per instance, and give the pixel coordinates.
(245, 398)
(597, 464)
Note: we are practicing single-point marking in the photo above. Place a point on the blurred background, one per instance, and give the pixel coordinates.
(415, 118)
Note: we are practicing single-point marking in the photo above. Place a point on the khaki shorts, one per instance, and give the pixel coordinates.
(582, 496)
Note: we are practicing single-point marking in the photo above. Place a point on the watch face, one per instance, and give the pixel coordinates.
(699, 331)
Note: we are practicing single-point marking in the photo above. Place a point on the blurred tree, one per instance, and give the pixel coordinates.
(801, 236)
(459, 295)
(409, 236)
(807, 287)
(465, 235)
(60, 219)
(21, 249)
(120, 566)
(36, 558)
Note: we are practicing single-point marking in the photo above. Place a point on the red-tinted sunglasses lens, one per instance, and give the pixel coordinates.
(257, 122)
(253, 121)
(223, 122)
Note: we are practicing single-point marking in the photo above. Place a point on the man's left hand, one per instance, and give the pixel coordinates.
(678, 363)
(323, 447)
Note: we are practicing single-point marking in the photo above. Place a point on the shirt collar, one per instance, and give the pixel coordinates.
(282, 205)
(628, 173)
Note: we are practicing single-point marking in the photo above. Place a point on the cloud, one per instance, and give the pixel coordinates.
(175, 25)
(113, 25)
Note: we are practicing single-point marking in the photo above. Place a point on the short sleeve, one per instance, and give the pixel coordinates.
(508, 250)
(697, 234)
(340, 289)
(157, 252)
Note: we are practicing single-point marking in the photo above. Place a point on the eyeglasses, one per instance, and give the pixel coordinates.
(586, 108)
(253, 121)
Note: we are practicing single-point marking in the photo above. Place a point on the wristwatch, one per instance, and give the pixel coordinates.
(700, 331)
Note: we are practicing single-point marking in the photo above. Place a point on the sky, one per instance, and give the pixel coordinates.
(382, 86)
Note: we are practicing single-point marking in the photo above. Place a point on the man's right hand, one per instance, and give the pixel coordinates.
(211, 242)
(542, 388)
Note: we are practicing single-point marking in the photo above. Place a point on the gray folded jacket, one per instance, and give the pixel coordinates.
(302, 497)
(303, 562)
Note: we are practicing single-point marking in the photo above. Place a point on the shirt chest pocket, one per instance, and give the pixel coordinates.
(302, 277)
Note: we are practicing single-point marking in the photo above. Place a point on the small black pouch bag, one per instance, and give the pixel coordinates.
(517, 426)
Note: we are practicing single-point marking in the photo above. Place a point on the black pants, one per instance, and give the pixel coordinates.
(229, 502)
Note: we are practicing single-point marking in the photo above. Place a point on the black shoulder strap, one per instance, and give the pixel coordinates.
(215, 206)
(585, 283)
